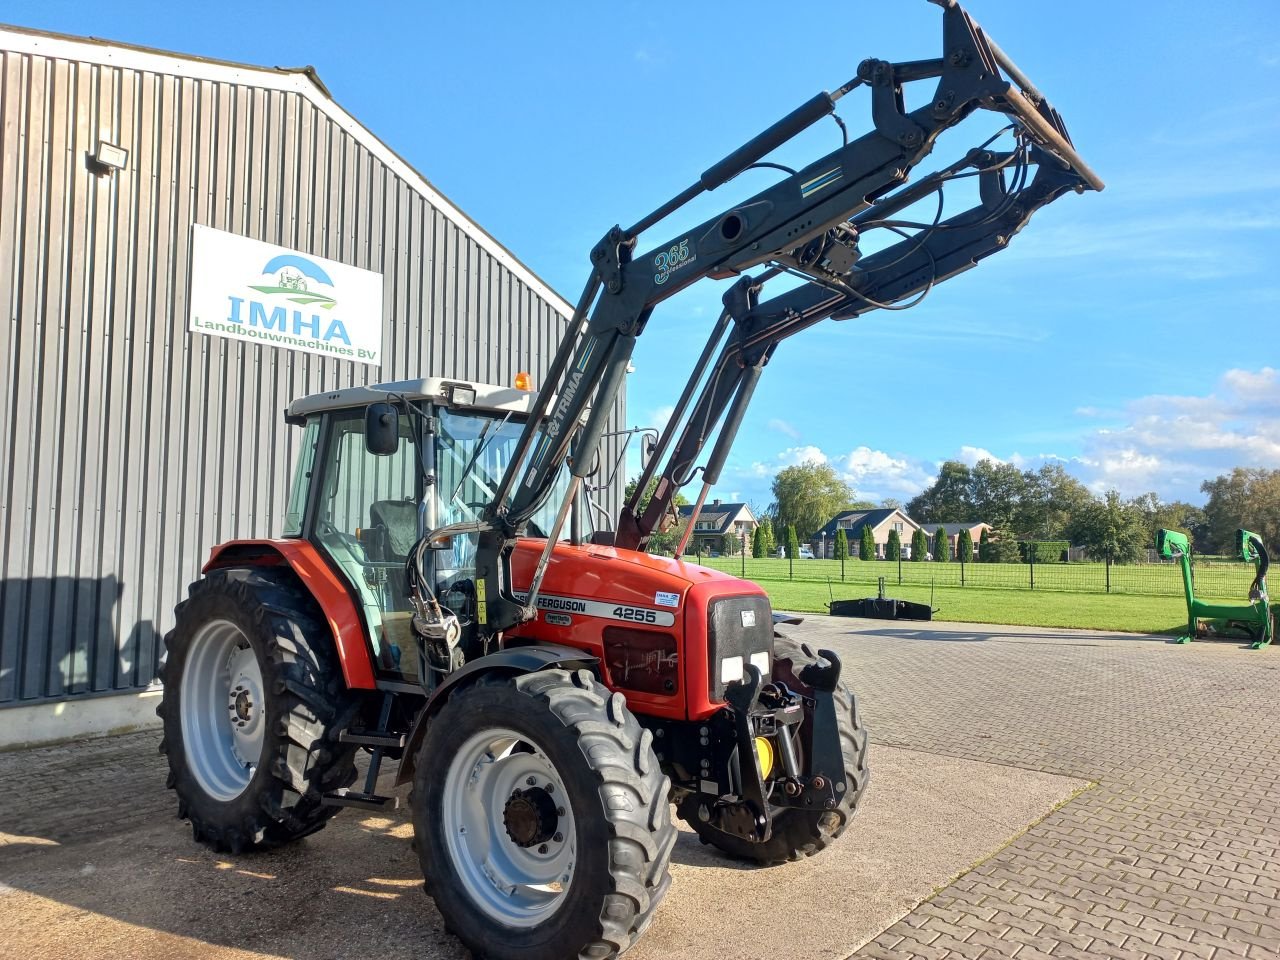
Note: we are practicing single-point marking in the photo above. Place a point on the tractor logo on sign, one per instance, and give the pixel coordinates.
(297, 278)
(263, 293)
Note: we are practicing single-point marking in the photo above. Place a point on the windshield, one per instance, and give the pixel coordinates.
(473, 451)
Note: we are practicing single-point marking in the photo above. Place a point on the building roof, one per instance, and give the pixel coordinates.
(854, 520)
(722, 514)
(951, 529)
(300, 80)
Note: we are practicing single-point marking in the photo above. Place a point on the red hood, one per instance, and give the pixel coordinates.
(621, 575)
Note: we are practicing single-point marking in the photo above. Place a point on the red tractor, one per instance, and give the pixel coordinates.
(440, 594)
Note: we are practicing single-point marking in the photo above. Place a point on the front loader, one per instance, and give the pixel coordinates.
(443, 593)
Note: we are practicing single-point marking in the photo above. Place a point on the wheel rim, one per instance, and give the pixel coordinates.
(509, 827)
(223, 710)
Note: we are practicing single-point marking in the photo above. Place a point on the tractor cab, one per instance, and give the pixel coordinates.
(378, 467)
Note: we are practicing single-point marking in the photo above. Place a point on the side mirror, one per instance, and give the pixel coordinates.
(648, 447)
(381, 429)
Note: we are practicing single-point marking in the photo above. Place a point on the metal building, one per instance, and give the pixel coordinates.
(130, 443)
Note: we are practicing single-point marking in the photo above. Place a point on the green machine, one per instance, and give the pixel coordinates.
(1254, 619)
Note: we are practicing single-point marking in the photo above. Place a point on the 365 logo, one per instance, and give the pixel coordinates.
(669, 261)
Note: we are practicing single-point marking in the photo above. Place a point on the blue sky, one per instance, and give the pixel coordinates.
(1131, 334)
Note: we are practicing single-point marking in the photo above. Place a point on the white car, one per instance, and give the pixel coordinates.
(806, 553)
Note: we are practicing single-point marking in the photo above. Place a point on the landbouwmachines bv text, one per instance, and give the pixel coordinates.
(445, 594)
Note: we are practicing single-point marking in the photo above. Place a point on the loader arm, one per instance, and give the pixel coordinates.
(778, 226)
(902, 270)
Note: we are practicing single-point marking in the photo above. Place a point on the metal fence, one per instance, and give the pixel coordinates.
(1211, 578)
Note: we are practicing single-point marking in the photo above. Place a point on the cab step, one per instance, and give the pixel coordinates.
(387, 739)
(365, 801)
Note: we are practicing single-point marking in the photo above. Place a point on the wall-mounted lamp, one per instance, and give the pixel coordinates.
(110, 157)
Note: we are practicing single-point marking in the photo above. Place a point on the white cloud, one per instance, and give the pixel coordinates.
(974, 455)
(659, 416)
(797, 455)
(781, 426)
(873, 474)
(1260, 387)
(790, 457)
(1169, 444)
(1173, 443)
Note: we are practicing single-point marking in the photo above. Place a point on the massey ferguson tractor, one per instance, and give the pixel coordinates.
(444, 593)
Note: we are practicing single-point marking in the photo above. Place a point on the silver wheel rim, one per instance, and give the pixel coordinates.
(519, 884)
(223, 710)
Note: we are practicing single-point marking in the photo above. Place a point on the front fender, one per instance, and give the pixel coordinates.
(512, 661)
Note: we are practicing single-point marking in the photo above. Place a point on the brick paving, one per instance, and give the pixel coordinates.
(1174, 854)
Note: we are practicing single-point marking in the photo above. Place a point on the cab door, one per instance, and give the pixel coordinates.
(365, 519)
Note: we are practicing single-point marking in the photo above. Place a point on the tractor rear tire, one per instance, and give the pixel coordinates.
(541, 818)
(253, 705)
(802, 833)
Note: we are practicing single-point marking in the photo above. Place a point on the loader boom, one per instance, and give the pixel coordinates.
(807, 224)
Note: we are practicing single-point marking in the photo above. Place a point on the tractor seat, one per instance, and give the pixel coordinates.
(399, 522)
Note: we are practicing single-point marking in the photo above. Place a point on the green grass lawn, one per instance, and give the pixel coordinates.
(1225, 581)
(1135, 613)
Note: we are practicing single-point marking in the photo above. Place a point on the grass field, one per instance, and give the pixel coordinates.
(1144, 598)
(1218, 580)
(1134, 613)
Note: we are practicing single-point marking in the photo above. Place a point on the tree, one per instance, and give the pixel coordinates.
(994, 492)
(890, 503)
(1111, 528)
(1050, 498)
(666, 538)
(947, 500)
(793, 542)
(867, 546)
(678, 501)
(730, 544)
(1002, 547)
(842, 544)
(1247, 497)
(919, 545)
(757, 543)
(1176, 515)
(964, 547)
(984, 546)
(770, 541)
(893, 549)
(941, 546)
(808, 496)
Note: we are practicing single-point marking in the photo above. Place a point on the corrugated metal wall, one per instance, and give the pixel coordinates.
(129, 446)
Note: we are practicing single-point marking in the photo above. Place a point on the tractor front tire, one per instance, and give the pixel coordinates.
(802, 833)
(253, 705)
(541, 818)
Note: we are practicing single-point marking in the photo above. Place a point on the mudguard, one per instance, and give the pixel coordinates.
(322, 583)
(512, 661)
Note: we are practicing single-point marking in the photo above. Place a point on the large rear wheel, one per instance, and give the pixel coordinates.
(541, 818)
(252, 708)
(801, 833)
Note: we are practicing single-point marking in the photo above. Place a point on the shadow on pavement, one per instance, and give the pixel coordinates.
(336, 895)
